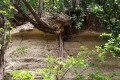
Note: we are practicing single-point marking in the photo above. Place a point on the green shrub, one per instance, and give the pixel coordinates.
(73, 64)
(111, 46)
(99, 76)
(22, 75)
(52, 71)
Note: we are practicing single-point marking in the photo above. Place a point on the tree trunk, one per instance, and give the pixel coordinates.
(2, 52)
(3, 43)
(40, 8)
(53, 3)
(75, 3)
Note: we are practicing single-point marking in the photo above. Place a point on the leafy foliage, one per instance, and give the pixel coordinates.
(99, 76)
(73, 64)
(52, 71)
(111, 46)
(6, 8)
(22, 75)
(106, 12)
(56, 5)
(6, 33)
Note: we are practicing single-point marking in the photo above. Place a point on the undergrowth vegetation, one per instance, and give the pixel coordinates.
(22, 75)
(21, 50)
(112, 46)
(75, 65)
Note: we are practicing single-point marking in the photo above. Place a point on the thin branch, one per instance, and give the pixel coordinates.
(31, 9)
(64, 74)
(37, 18)
(41, 25)
(5, 42)
(44, 29)
(23, 13)
(16, 2)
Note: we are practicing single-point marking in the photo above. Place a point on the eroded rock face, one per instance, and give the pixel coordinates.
(39, 45)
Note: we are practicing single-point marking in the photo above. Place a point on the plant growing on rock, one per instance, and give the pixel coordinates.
(21, 50)
(22, 75)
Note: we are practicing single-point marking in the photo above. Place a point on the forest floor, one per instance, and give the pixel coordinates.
(28, 50)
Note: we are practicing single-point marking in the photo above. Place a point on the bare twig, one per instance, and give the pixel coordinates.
(64, 74)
